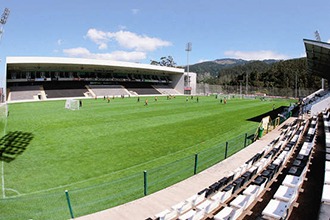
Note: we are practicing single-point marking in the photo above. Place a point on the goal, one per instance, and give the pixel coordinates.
(72, 104)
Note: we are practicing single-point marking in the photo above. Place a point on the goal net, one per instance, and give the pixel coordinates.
(72, 104)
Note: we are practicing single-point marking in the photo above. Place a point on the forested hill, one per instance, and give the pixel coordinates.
(267, 73)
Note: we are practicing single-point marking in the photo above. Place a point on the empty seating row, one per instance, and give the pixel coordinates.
(256, 187)
(280, 205)
(243, 178)
(326, 185)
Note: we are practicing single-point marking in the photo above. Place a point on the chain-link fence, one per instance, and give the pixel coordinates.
(203, 88)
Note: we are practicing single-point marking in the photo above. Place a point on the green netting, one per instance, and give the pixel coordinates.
(164, 176)
(105, 195)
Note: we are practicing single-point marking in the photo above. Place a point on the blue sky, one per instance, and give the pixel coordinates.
(141, 30)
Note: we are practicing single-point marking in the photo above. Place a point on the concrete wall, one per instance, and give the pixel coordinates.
(178, 83)
(320, 106)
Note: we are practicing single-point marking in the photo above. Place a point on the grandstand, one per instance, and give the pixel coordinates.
(277, 177)
(42, 78)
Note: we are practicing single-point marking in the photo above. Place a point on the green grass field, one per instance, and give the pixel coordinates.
(99, 152)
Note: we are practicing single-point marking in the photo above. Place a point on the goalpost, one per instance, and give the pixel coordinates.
(72, 104)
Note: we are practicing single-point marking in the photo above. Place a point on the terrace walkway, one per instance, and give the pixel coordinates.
(155, 203)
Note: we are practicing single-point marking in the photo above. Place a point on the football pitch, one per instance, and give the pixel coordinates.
(99, 152)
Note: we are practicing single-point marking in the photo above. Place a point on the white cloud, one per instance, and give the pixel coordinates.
(82, 52)
(329, 41)
(135, 11)
(98, 37)
(126, 39)
(255, 55)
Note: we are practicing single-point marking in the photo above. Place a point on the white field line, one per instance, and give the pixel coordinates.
(2, 164)
(3, 180)
(9, 189)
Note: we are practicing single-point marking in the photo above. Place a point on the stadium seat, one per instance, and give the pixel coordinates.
(182, 206)
(238, 183)
(292, 181)
(242, 201)
(208, 206)
(192, 215)
(276, 209)
(252, 190)
(326, 194)
(219, 196)
(302, 157)
(261, 182)
(228, 192)
(196, 199)
(223, 181)
(247, 176)
(166, 214)
(228, 213)
(268, 174)
(299, 163)
(295, 171)
(327, 177)
(230, 177)
(327, 157)
(253, 170)
(286, 194)
(327, 166)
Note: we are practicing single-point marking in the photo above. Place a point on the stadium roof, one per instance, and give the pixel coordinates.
(80, 64)
(318, 58)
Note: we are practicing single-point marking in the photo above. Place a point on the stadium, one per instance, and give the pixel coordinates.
(100, 139)
(82, 141)
(49, 78)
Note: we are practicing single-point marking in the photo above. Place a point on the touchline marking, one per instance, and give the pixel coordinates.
(3, 180)
(2, 164)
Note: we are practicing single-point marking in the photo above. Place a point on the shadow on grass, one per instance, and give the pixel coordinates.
(13, 144)
(273, 114)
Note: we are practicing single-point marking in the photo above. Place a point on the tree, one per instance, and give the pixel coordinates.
(164, 61)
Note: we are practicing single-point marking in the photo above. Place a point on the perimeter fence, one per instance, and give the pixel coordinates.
(58, 204)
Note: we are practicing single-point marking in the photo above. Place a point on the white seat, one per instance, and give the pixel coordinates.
(252, 190)
(241, 201)
(278, 161)
(208, 205)
(327, 165)
(227, 195)
(182, 206)
(305, 151)
(292, 181)
(276, 209)
(187, 215)
(259, 165)
(327, 177)
(228, 213)
(326, 194)
(286, 194)
(237, 172)
(219, 196)
(196, 199)
(253, 168)
(167, 214)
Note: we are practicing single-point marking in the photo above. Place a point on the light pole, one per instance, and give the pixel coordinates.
(247, 82)
(188, 49)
